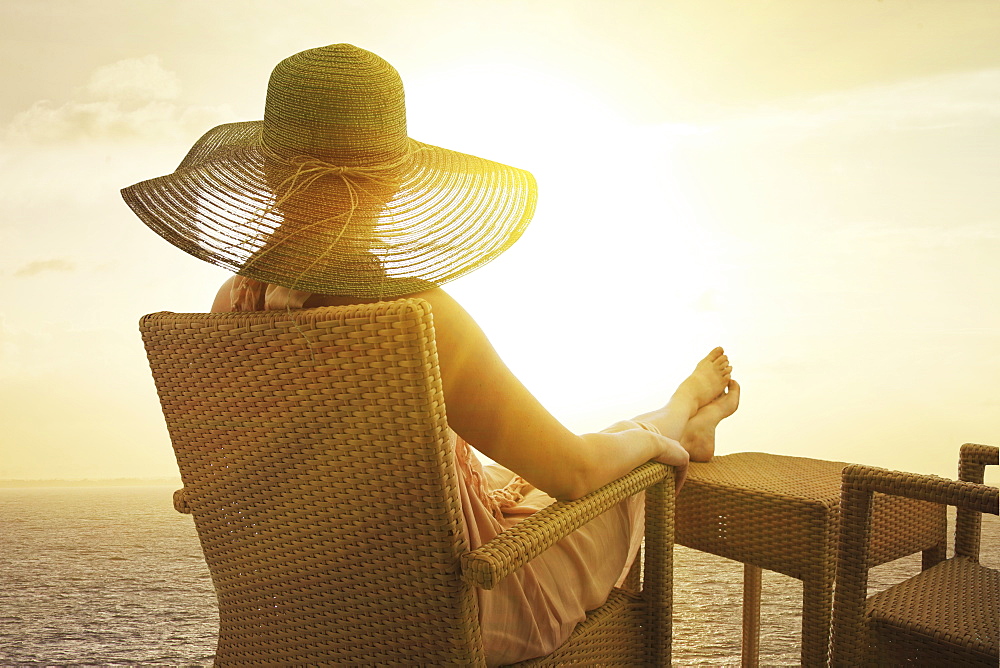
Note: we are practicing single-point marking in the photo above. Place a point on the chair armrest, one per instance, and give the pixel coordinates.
(969, 495)
(972, 462)
(487, 565)
(182, 501)
(973, 459)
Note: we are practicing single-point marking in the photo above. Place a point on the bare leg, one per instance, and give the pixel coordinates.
(699, 434)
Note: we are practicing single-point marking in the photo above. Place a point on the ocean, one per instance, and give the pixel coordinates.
(113, 576)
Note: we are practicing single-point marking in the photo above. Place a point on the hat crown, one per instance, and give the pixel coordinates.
(338, 103)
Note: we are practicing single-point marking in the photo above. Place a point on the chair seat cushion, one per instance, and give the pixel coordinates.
(955, 604)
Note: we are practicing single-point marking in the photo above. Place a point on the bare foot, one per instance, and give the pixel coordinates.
(701, 388)
(699, 434)
(708, 380)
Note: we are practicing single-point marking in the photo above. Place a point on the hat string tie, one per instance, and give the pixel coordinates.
(308, 169)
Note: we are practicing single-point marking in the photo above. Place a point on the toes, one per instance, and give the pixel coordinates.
(733, 395)
(728, 401)
(715, 354)
(734, 389)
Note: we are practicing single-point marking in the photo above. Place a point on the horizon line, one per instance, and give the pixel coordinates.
(89, 482)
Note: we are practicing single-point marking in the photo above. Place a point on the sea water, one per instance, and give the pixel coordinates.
(113, 576)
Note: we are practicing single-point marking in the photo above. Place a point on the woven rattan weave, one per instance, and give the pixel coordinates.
(781, 513)
(948, 615)
(318, 467)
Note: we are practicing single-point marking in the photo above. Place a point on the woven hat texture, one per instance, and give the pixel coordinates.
(328, 194)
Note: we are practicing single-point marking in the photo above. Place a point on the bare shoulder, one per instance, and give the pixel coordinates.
(449, 315)
(464, 351)
(222, 303)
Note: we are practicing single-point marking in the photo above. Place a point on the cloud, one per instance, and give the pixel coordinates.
(135, 98)
(44, 266)
(134, 80)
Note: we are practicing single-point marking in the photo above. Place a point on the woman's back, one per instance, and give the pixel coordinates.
(486, 403)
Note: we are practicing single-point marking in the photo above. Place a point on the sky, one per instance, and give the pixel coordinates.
(809, 183)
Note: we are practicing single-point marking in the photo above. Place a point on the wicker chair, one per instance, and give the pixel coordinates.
(316, 460)
(947, 615)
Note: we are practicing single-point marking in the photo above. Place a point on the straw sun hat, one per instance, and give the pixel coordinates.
(329, 195)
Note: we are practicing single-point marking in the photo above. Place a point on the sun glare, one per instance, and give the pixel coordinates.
(613, 238)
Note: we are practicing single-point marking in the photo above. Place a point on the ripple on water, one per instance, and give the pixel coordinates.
(115, 577)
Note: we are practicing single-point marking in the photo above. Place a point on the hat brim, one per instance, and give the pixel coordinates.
(447, 214)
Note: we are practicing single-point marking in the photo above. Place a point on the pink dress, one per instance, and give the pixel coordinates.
(534, 610)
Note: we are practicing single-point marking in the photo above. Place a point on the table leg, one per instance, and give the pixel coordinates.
(751, 615)
(817, 608)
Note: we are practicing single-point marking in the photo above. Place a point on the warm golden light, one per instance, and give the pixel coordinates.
(810, 184)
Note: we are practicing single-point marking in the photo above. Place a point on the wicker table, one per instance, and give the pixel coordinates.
(781, 513)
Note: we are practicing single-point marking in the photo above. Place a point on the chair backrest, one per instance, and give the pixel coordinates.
(318, 465)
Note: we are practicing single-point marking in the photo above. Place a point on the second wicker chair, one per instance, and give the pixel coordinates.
(947, 615)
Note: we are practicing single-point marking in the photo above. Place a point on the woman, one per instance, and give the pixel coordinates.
(328, 202)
